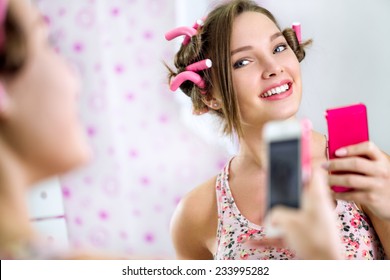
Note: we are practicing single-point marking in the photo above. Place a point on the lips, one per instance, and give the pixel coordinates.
(277, 91)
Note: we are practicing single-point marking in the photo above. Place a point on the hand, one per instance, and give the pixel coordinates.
(368, 174)
(311, 230)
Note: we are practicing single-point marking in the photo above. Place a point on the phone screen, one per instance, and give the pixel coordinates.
(285, 173)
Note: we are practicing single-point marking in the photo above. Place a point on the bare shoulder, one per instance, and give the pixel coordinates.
(197, 205)
(319, 146)
(194, 222)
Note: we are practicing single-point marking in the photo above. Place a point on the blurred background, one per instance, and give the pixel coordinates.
(149, 150)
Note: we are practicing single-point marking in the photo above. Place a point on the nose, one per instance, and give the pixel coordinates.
(271, 68)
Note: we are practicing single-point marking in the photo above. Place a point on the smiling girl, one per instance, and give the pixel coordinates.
(255, 77)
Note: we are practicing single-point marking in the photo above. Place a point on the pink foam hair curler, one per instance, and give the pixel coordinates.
(187, 76)
(179, 31)
(199, 23)
(3, 13)
(200, 65)
(296, 26)
(3, 10)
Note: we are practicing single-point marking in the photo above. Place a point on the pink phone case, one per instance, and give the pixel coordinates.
(346, 126)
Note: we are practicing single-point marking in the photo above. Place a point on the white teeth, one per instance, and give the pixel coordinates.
(276, 90)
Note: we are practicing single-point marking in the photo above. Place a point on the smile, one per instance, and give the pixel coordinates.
(276, 90)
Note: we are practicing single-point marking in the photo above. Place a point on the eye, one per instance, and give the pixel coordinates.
(280, 48)
(240, 63)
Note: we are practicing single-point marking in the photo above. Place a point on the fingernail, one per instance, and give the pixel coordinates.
(341, 152)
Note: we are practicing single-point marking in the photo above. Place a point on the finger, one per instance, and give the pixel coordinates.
(357, 182)
(353, 164)
(367, 149)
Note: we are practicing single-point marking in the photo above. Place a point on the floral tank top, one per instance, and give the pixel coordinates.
(358, 236)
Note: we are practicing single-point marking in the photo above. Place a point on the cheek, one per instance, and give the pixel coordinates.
(243, 81)
(59, 74)
(293, 65)
(297, 77)
(293, 68)
(297, 70)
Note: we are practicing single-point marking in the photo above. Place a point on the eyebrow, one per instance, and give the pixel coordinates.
(246, 48)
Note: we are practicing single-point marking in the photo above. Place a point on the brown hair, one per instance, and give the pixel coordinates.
(13, 55)
(213, 42)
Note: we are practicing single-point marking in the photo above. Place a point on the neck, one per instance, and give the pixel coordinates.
(252, 147)
(15, 227)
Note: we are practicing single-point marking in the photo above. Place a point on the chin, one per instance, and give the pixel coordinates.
(80, 158)
(285, 115)
(80, 153)
(289, 112)
(72, 159)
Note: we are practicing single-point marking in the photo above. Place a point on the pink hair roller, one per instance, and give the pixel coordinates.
(3, 14)
(198, 23)
(200, 65)
(296, 26)
(179, 31)
(187, 76)
(3, 10)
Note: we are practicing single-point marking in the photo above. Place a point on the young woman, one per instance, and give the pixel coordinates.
(255, 78)
(40, 134)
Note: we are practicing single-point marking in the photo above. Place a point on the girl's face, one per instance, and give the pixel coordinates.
(43, 125)
(266, 72)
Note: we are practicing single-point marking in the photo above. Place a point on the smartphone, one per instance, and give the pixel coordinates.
(288, 165)
(347, 125)
(284, 154)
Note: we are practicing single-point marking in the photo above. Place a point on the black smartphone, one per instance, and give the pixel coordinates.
(284, 176)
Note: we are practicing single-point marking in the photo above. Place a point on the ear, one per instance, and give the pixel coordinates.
(213, 103)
